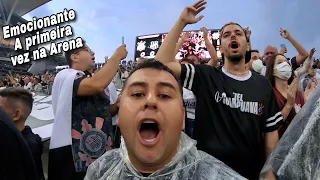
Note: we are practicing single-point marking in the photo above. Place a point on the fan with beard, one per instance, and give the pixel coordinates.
(235, 58)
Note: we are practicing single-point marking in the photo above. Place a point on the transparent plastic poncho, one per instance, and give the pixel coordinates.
(189, 163)
(297, 155)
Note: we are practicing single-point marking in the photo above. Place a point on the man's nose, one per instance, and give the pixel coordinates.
(151, 101)
(233, 35)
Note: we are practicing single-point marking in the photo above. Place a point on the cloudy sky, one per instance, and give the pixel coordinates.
(102, 23)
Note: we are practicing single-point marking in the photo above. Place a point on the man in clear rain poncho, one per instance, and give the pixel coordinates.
(151, 119)
(297, 155)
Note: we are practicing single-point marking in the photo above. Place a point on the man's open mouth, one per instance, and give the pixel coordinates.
(234, 45)
(149, 130)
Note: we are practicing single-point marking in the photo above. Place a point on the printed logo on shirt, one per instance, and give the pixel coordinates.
(237, 102)
(190, 103)
(93, 141)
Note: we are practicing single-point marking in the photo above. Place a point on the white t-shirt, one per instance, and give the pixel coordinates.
(190, 103)
(28, 86)
(113, 99)
(37, 87)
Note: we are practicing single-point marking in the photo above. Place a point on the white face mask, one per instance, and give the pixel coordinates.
(257, 65)
(284, 71)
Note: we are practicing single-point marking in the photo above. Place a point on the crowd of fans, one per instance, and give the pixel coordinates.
(236, 108)
(33, 83)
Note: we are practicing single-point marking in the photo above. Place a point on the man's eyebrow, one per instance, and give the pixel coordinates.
(160, 84)
(137, 83)
(166, 84)
(237, 30)
(225, 32)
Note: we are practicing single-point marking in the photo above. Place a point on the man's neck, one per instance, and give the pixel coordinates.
(239, 67)
(281, 85)
(76, 67)
(19, 125)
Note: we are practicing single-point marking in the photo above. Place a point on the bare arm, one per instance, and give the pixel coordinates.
(303, 54)
(306, 66)
(179, 44)
(249, 45)
(212, 51)
(166, 53)
(97, 83)
(271, 141)
(248, 34)
(286, 111)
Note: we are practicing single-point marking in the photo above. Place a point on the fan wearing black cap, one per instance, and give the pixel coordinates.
(237, 115)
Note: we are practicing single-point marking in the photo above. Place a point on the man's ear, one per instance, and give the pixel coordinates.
(17, 115)
(184, 119)
(74, 57)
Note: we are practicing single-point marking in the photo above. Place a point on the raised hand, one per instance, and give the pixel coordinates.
(311, 87)
(185, 37)
(248, 32)
(283, 50)
(285, 33)
(205, 32)
(291, 92)
(189, 13)
(312, 51)
(121, 52)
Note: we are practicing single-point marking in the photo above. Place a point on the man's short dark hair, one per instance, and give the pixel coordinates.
(18, 95)
(231, 23)
(68, 54)
(254, 50)
(144, 59)
(153, 64)
(187, 60)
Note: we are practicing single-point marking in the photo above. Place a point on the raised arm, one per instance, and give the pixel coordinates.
(166, 53)
(182, 40)
(307, 64)
(248, 34)
(212, 51)
(98, 83)
(303, 54)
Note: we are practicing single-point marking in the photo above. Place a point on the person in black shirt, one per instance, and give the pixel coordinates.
(237, 115)
(16, 159)
(18, 104)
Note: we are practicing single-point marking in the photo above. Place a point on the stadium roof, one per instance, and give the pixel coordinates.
(22, 7)
(51, 62)
(12, 10)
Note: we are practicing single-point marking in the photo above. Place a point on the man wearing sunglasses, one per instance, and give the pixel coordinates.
(82, 129)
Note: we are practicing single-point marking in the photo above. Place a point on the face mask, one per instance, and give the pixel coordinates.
(257, 65)
(284, 71)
